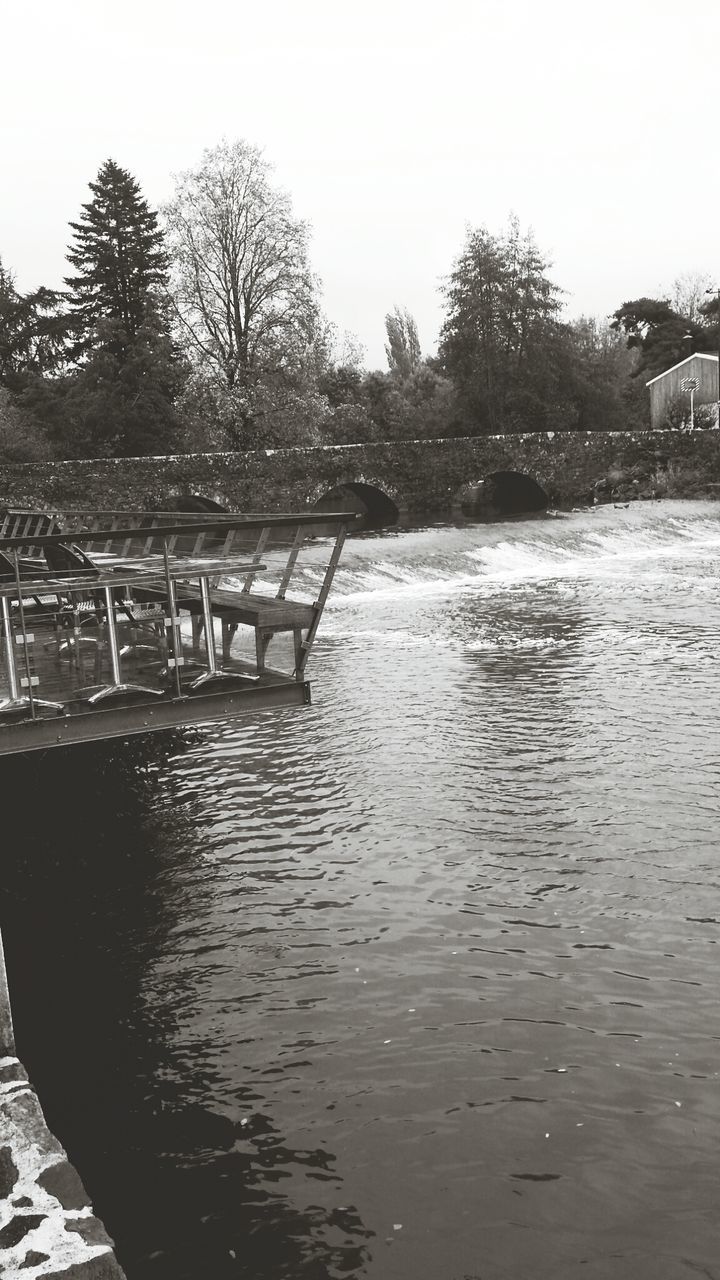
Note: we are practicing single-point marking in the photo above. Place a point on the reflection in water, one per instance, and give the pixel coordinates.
(92, 895)
(419, 984)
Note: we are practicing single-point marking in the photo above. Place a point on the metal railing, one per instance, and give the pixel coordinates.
(99, 610)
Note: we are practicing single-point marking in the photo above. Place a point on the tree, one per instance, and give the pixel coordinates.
(22, 439)
(33, 333)
(123, 401)
(430, 403)
(120, 263)
(244, 296)
(403, 345)
(33, 352)
(499, 343)
(597, 377)
(341, 385)
(689, 294)
(120, 398)
(661, 336)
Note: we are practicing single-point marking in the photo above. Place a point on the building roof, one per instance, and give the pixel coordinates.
(697, 355)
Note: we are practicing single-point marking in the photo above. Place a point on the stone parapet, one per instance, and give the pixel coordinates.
(418, 475)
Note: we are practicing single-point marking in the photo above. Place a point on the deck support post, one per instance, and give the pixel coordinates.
(117, 688)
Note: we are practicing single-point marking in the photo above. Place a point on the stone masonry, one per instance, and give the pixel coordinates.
(47, 1227)
(418, 475)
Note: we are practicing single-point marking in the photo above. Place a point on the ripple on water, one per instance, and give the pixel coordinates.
(421, 983)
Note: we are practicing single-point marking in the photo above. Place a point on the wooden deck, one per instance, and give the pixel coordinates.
(148, 623)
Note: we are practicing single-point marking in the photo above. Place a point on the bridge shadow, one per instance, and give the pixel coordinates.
(501, 494)
(375, 509)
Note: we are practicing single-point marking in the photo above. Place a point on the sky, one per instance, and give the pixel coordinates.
(394, 126)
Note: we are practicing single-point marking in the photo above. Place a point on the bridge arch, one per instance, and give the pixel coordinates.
(502, 493)
(377, 510)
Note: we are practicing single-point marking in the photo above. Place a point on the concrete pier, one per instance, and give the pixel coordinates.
(48, 1230)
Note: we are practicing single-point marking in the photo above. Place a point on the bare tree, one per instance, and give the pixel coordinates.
(688, 292)
(244, 296)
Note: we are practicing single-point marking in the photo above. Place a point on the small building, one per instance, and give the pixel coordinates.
(670, 391)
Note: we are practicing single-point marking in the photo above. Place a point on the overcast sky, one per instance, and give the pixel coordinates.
(393, 125)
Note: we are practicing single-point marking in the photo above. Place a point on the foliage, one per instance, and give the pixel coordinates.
(432, 403)
(119, 260)
(270, 414)
(341, 385)
(403, 345)
(33, 333)
(348, 424)
(22, 439)
(596, 378)
(501, 340)
(121, 403)
(381, 406)
(661, 335)
(424, 406)
(32, 345)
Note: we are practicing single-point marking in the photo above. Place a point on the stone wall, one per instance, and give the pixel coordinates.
(47, 1227)
(419, 476)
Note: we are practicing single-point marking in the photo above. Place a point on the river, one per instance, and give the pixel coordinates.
(420, 983)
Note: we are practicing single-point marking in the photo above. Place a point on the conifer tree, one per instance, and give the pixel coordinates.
(499, 342)
(119, 261)
(33, 333)
(120, 398)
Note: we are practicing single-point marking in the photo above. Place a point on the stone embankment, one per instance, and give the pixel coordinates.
(48, 1230)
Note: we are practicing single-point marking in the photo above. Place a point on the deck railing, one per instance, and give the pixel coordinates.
(155, 614)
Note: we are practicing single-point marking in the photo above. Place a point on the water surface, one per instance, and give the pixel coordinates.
(420, 983)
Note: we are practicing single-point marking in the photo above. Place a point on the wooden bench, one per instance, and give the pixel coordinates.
(265, 614)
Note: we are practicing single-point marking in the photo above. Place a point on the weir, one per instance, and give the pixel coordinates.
(116, 623)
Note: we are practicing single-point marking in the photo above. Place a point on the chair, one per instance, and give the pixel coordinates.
(77, 608)
(25, 569)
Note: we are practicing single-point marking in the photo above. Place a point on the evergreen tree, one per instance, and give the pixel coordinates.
(119, 259)
(120, 399)
(124, 406)
(661, 335)
(501, 339)
(33, 333)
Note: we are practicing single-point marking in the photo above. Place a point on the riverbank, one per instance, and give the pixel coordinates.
(660, 477)
(47, 1226)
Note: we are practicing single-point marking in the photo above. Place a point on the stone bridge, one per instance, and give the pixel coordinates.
(386, 480)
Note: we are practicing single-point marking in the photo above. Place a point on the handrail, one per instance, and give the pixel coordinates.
(150, 620)
(141, 553)
(52, 581)
(218, 524)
